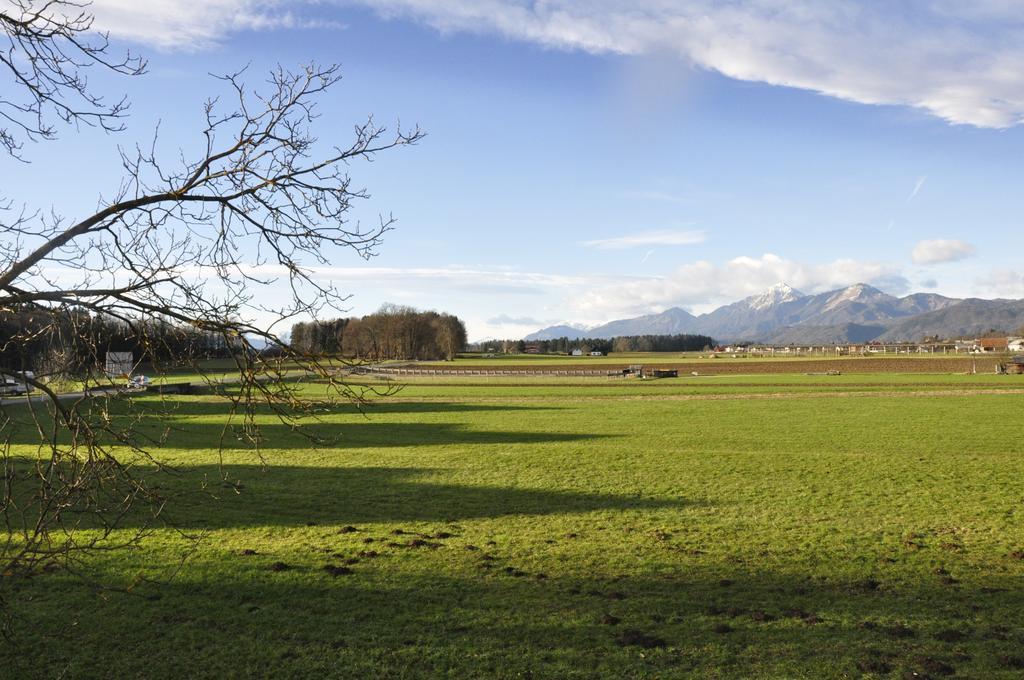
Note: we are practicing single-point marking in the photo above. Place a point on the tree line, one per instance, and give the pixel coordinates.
(393, 332)
(68, 341)
(682, 342)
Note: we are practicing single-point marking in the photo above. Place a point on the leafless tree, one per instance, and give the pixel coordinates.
(194, 244)
(50, 46)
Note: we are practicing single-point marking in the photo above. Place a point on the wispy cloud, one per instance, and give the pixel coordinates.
(505, 319)
(960, 61)
(663, 237)
(938, 251)
(946, 57)
(917, 187)
(189, 26)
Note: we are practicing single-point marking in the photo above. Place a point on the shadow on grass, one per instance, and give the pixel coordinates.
(296, 496)
(304, 622)
(200, 424)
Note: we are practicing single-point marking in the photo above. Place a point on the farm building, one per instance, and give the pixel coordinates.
(577, 352)
(1015, 344)
(595, 353)
(992, 345)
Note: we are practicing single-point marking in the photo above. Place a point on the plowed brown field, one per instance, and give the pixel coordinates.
(727, 367)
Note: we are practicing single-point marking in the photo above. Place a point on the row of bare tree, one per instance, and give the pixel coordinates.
(71, 342)
(393, 332)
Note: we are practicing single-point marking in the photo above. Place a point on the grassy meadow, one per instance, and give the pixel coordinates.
(781, 526)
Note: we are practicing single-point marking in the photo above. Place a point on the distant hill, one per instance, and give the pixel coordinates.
(562, 331)
(784, 315)
(670, 322)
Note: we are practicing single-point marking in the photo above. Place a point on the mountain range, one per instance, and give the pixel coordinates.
(784, 315)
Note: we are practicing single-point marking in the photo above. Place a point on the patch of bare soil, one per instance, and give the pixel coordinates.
(639, 639)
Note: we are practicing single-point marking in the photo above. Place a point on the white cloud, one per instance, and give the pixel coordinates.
(664, 237)
(702, 286)
(505, 319)
(959, 61)
(1005, 283)
(423, 278)
(917, 188)
(174, 24)
(941, 250)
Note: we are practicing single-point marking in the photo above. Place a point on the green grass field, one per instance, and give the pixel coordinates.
(742, 526)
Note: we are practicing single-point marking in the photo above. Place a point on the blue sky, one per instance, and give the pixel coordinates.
(593, 160)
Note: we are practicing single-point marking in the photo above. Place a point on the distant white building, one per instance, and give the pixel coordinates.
(119, 364)
(595, 353)
(577, 352)
(1015, 344)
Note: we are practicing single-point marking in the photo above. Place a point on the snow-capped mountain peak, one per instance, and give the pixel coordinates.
(776, 295)
(858, 292)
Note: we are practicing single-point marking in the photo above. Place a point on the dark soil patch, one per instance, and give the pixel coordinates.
(368, 554)
(472, 547)
(639, 639)
(512, 571)
(1007, 661)
(723, 628)
(795, 613)
(541, 576)
(900, 632)
(397, 532)
(948, 580)
(369, 539)
(572, 535)
(761, 616)
(352, 560)
(279, 566)
(441, 535)
(335, 570)
(1017, 554)
(420, 543)
(951, 635)
(725, 582)
(869, 584)
(610, 620)
(347, 530)
(248, 551)
(930, 665)
(812, 619)
(874, 665)
(998, 633)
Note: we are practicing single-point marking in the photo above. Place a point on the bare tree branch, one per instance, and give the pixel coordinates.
(188, 249)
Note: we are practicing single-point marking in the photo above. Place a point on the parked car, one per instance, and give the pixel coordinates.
(16, 383)
(137, 382)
